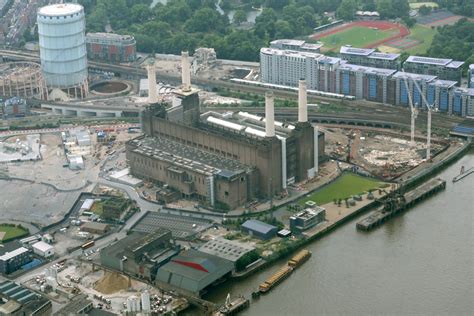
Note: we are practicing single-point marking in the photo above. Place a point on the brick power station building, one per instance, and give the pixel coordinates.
(223, 159)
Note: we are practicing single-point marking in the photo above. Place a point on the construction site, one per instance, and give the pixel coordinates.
(66, 281)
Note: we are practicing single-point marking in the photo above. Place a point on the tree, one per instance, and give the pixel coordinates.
(424, 10)
(239, 17)
(384, 7)
(283, 29)
(277, 4)
(346, 10)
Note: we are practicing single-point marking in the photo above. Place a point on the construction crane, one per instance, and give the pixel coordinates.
(429, 107)
(413, 109)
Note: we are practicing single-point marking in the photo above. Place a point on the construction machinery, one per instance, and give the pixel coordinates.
(414, 110)
(429, 108)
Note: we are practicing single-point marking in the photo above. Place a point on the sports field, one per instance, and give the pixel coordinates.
(364, 34)
(8, 232)
(343, 187)
(357, 36)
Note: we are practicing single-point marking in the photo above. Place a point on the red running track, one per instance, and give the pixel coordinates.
(381, 25)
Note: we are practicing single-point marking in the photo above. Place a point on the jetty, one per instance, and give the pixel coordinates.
(399, 203)
(463, 174)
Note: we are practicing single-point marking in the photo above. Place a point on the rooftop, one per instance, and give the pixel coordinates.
(368, 70)
(60, 9)
(198, 266)
(471, 66)
(94, 225)
(12, 254)
(289, 53)
(112, 36)
(298, 43)
(417, 77)
(228, 249)
(443, 83)
(187, 157)
(42, 246)
(455, 64)
(257, 225)
(309, 213)
(429, 60)
(356, 51)
(386, 56)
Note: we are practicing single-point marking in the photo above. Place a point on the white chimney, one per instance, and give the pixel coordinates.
(302, 102)
(269, 115)
(185, 72)
(152, 92)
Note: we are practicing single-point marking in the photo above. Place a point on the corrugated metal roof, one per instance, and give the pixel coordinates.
(258, 226)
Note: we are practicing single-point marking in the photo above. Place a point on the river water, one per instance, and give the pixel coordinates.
(419, 263)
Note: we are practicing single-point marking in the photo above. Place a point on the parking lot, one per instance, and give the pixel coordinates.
(180, 227)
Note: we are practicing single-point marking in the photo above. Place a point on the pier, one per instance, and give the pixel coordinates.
(463, 174)
(397, 204)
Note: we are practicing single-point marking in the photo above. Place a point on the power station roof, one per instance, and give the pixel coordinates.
(187, 157)
(60, 9)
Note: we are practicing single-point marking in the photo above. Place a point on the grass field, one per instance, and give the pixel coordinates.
(357, 36)
(10, 232)
(343, 187)
(423, 34)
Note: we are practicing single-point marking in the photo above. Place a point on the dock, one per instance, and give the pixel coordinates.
(463, 174)
(400, 203)
(232, 306)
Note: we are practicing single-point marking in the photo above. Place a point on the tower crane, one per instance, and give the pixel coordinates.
(429, 107)
(414, 110)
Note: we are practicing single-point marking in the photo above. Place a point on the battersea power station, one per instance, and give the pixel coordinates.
(224, 160)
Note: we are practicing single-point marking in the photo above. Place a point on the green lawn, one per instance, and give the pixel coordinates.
(356, 36)
(12, 232)
(417, 5)
(343, 187)
(423, 34)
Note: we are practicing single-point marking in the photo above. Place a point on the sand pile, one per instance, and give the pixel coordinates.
(111, 283)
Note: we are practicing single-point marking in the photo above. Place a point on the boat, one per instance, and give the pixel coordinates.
(275, 279)
(299, 258)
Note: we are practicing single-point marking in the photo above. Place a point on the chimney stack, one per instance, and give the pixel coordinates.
(152, 92)
(185, 72)
(302, 102)
(269, 115)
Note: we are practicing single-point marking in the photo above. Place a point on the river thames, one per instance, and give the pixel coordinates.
(421, 262)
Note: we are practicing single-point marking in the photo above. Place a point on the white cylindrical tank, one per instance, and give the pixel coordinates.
(133, 304)
(62, 41)
(146, 302)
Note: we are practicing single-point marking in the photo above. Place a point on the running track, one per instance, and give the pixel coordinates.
(381, 25)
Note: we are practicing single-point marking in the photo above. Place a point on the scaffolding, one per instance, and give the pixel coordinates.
(22, 79)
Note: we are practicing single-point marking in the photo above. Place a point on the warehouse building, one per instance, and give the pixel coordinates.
(369, 57)
(193, 272)
(18, 300)
(224, 159)
(140, 254)
(443, 68)
(109, 47)
(307, 219)
(259, 229)
(95, 228)
(231, 250)
(12, 257)
(43, 249)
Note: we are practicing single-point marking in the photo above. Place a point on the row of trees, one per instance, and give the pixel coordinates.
(388, 9)
(462, 7)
